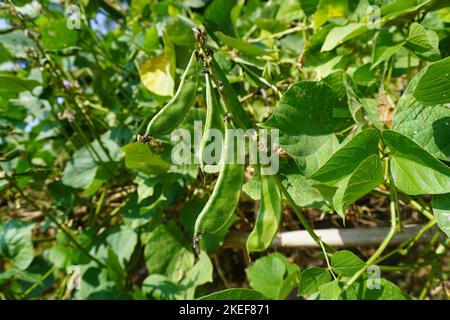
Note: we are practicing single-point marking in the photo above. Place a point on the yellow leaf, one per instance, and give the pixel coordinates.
(156, 77)
(329, 9)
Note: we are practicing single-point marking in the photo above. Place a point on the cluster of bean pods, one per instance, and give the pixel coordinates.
(222, 114)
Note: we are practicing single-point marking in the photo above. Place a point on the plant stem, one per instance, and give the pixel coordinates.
(34, 285)
(58, 224)
(390, 235)
(99, 206)
(408, 243)
(300, 215)
(409, 200)
(421, 209)
(325, 254)
(439, 252)
(280, 34)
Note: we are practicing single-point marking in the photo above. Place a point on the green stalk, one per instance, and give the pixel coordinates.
(408, 244)
(389, 236)
(439, 252)
(99, 206)
(300, 27)
(34, 285)
(300, 215)
(409, 200)
(88, 144)
(325, 254)
(58, 224)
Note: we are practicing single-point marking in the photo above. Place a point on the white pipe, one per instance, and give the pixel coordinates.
(347, 237)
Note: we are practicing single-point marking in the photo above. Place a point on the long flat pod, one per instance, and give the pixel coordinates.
(230, 98)
(269, 214)
(214, 127)
(225, 196)
(173, 113)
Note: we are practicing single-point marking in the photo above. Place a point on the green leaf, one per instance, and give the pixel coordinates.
(122, 243)
(234, 294)
(434, 85)
(217, 17)
(385, 47)
(162, 245)
(201, 273)
(345, 263)
(365, 75)
(15, 243)
(307, 116)
(86, 169)
(330, 291)
(303, 194)
(364, 179)
(140, 157)
(145, 185)
(423, 105)
(441, 210)
(80, 171)
(161, 287)
(397, 5)
(310, 152)
(311, 279)
(424, 43)
(273, 275)
(95, 284)
(393, 13)
(348, 158)
(241, 45)
(415, 171)
(351, 172)
(339, 35)
(55, 33)
(309, 6)
(16, 42)
(65, 253)
(290, 10)
(180, 32)
(344, 90)
(10, 84)
(383, 290)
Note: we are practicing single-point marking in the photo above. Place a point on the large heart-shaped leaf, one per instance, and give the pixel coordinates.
(308, 116)
(353, 171)
(424, 43)
(345, 263)
(311, 279)
(441, 210)
(344, 162)
(415, 171)
(366, 177)
(273, 275)
(422, 113)
(15, 242)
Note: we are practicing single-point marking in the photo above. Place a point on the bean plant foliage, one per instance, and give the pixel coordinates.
(93, 206)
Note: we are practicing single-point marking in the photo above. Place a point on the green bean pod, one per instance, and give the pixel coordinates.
(225, 196)
(268, 218)
(174, 112)
(230, 99)
(214, 120)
